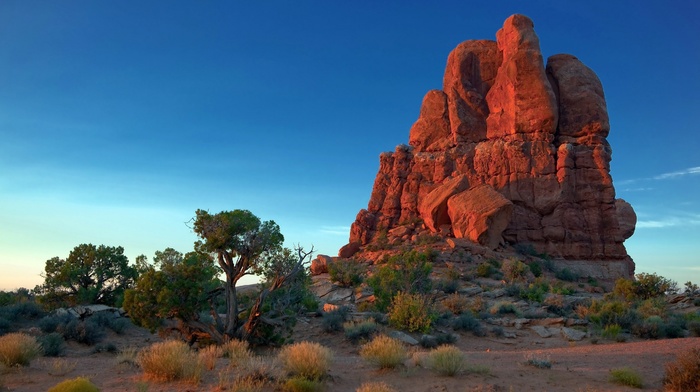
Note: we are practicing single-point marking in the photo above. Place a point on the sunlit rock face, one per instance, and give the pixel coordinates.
(533, 132)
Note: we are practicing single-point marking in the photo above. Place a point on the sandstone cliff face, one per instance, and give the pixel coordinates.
(535, 133)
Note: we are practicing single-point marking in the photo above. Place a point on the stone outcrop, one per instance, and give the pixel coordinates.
(534, 132)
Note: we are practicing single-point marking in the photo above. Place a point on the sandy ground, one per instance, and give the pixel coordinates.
(580, 366)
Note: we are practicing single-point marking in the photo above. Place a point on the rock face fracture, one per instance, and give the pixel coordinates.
(510, 151)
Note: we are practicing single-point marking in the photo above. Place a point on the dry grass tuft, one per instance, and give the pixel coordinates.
(169, 361)
(208, 356)
(683, 375)
(18, 349)
(626, 376)
(81, 384)
(237, 351)
(446, 361)
(375, 387)
(385, 352)
(61, 366)
(306, 359)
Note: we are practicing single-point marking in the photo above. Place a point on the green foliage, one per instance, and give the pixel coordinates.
(80, 384)
(427, 239)
(608, 312)
(52, 344)
(488, 269)
(86, 332)
(4, 326)
(178, 289)
(408, 272)
(645, 286)
(448, 286)
(347, 273)
(412, 312)
(535, 292)
(18, 349)
(514, 270)
(535, 268)
(301, 384)
(612, 331)
(90, 275)
(466, 322)
(626, 376)
(447, 361)
(690, 288)
(384, 352)
(21, 311)
(439, 339)
(683, 374)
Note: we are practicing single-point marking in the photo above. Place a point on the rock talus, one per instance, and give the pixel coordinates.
(512, 150)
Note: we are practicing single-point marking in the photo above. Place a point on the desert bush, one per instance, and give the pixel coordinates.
(347, 273)
(696, 302)
(607, 312)
(477, 304)
(27, 310)
(375, 387)
(566, 275)
(61, 366)
(4, 326)
(447, 286)
(535, 292)
(80, 384)
(437, 340)
(18, 349)
(82, 331)
(51, 323)
(301, 384)
(333, 320)
(612, 331)
(644, 286)
(535, 269)
(488, 269)
(412, 312)
(170, 360)
(446, 361)
(105, 348)
(465, 322)
(236, 351)
(128, 356)
(626, 376)
(540, 362)
(208, 356)
(683, 374)
(455, 303)
(119, 325)
(654, 327)
(306, 359)
(408, 272)
(53, 344)
(503, 308)
(514, 270)
(359, 330)
(384, 352)
(694, 328)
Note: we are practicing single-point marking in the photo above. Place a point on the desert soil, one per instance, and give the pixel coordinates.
(579, 366)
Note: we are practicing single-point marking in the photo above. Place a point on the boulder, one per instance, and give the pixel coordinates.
(319, 265)
(626, 218)
(349, 250)
(433, 208)
(480, 214)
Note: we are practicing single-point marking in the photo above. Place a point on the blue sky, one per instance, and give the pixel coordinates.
(119, 119)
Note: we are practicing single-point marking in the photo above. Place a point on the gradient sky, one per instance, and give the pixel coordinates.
(118, 119)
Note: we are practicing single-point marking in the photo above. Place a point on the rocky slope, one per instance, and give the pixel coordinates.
(511, 151)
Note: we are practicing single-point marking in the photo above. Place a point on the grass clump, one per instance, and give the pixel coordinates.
(18, 349)
(236, 351)
(208, 356)
(61, 366)
(446, 361)
(612, 331)
(626, 376)
(306, 359)
(81, 384)
(169, 361)
(384, 352)
(683, 375)
(412, 312)
(375, 387)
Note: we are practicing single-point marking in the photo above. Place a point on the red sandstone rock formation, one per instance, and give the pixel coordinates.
(533, 134)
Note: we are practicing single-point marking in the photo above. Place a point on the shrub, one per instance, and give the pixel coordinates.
(694, 327)
(347, 273)
(440, 339)
(50, 324)
(536, 269)
(384, 352)
(684, 373)
(446, 361)
(644, 286)
(611, 331)
(465, 322)
(301, 384)
(357, 330)
(118, 325)
(503, 308)
(608, 312)
(408, 272)
(412, 312)
(651, 328)
(80, 384)
(485, 270)
(61, 367)
(455, 303)
(535, 292)
(306, 359)
(626, 376)
(236, 351)
(514, 270)
(538, 362)
(448, 286)
(53, 344)
(18, 349)
(333, 321)
(85, 332)
(4, 326)
(169, 361)
(375, 387)
(566, 275)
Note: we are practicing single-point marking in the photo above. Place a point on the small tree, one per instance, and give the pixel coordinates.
(90, 275)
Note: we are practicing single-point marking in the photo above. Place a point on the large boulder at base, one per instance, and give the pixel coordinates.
(433, 209)
(480, 214)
